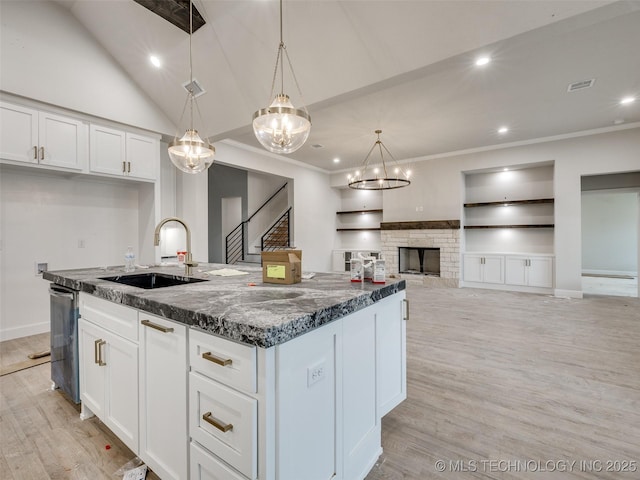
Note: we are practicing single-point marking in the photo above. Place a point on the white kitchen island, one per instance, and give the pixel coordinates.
(301, 401)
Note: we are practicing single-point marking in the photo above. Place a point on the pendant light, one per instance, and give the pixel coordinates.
(280, 127)
(381, 177)
(190, 153)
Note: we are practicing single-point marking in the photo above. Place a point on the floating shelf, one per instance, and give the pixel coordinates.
(510, 202)
(360, 211)
(542, 225)
(356, 229)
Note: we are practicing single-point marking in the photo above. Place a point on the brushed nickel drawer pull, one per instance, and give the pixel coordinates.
(101, 362)
(223, 362)
(35, 152)
(124, 167)
(210, 419)
(406, 308)
(41, 153)
(128, 167)
(147, 323)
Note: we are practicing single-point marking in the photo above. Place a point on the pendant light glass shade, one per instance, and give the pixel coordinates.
(383, 176)
(190, 153)
(280, 127)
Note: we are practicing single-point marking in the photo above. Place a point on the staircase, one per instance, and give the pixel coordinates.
(277, 236)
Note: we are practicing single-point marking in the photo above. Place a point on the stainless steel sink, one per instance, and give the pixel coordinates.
(152, 280)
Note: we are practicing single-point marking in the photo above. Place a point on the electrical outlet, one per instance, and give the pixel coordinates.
(81, 243)
(41, 267)
(315, 373)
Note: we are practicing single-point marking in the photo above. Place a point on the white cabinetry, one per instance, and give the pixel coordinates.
(533, 271)
(109, 366)
(483, 268)
(42, 138)
(116, 152)
(223, 414)
(164, 439)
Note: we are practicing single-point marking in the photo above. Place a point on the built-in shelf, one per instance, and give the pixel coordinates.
(360, 211)
(357, 229)
(510, 202)
(540, 225)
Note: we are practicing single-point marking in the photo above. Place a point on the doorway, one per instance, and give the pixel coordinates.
(610, 235)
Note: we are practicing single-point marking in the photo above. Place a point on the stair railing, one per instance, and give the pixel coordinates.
(236, 241)
(279, 234)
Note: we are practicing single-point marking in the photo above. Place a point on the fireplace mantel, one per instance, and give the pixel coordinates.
(422, 225)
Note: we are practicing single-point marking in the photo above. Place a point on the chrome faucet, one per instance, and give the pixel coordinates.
(188, 263)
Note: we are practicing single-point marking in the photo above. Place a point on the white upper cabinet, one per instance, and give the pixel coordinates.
(108, 147)
(116, 152)
(42, 138)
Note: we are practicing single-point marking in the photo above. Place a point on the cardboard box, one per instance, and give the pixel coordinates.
(282, 266)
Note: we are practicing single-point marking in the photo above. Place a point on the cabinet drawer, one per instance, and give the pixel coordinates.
(111, 316)
(204, 466)
(212, 403)
(228, 362)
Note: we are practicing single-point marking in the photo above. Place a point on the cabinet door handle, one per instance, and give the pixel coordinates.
(223, 362)
(406, 308)
(210, 419)
(35, 152)
(148, 323)
(96, 347)
(101, 362)
(128, 167)
(124, 167)
(41, 153)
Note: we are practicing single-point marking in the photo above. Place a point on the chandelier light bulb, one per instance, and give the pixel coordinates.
(191, 154)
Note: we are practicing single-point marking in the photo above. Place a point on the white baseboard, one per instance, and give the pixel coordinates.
(24, 331)
(507, 288)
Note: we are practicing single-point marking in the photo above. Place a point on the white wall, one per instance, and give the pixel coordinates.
(259, 188)
(437, 186)
(314, 203)
(610, 232)
(47, 55)
(44, 217)
(359, 200)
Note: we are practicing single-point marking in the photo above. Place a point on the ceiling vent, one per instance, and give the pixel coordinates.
(194, 87)
(581, 85)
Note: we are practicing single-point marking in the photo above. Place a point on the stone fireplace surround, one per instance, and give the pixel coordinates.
(442, 234)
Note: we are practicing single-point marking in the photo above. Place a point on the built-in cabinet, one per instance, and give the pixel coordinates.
(162, 393)
(532, 271)
(483, 268)
(508, 270)
(308, 408)
(42, 138)
(509, 228)
(116, 152)
(108, 350)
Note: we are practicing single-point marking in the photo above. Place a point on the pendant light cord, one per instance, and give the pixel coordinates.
(190, 63)
(280, 62)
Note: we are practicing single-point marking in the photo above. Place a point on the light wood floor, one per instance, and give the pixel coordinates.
(494, 378)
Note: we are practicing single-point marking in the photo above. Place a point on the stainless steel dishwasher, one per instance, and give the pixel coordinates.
(64, 340)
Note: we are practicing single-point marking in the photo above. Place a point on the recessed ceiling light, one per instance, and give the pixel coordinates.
(155, 61)
(336, 160)
(503, 130)
(505, 169)
(480, 61)
(627, 100)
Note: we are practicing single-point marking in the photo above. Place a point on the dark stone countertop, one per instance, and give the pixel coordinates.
(264, 315)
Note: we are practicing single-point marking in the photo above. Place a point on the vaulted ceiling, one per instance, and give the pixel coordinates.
(406, 67)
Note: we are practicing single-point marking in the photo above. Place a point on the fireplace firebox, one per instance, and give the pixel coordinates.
(419, 260)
